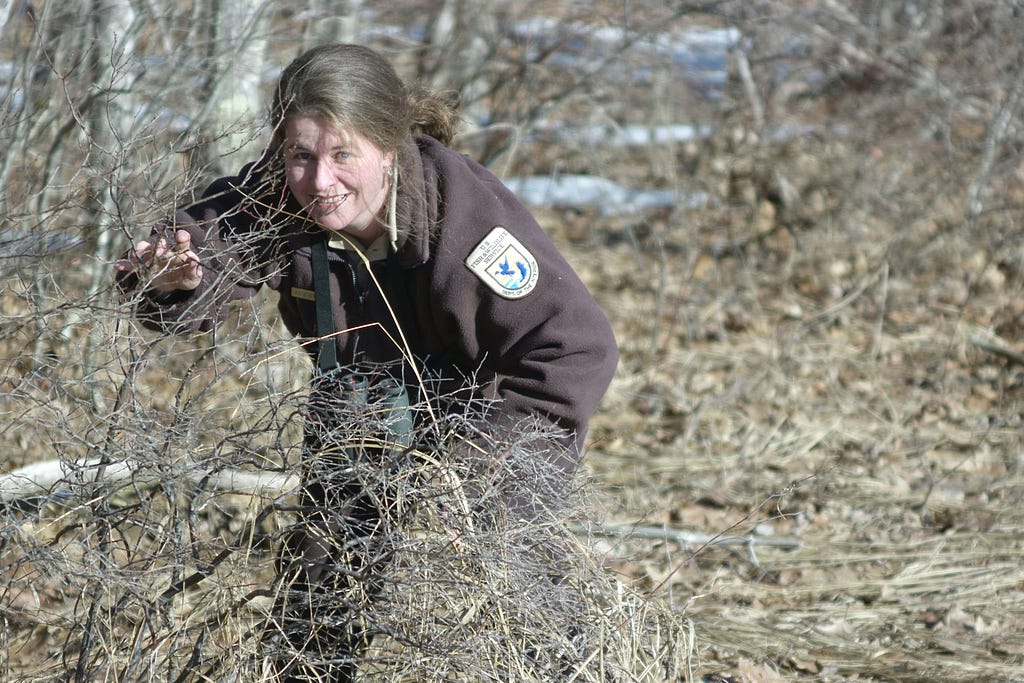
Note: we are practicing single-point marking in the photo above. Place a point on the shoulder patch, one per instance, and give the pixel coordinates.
(504, 264)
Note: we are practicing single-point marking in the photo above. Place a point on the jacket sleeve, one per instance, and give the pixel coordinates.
(552, 352)
(230, 250)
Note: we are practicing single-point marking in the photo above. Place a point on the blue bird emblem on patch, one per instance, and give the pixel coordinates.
(509, 278)
(504, 264)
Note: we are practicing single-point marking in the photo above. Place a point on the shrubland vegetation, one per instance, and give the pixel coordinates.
(809, 466)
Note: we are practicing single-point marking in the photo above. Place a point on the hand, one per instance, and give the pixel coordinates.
(167, 268)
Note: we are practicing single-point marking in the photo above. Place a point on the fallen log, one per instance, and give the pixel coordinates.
(57, 479)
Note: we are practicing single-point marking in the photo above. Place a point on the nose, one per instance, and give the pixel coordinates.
(323, 176)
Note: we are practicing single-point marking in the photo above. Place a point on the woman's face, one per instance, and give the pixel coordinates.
(341, 179)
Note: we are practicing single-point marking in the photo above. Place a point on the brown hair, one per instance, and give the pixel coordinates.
(357, 89)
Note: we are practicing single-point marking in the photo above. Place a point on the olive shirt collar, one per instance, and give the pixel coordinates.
(377, 251)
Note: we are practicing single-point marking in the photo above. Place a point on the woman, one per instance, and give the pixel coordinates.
(391, 255)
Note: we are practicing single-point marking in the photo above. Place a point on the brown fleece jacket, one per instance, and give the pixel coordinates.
(548, 354)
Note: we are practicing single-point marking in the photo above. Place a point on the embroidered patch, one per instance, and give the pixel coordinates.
(504, 264)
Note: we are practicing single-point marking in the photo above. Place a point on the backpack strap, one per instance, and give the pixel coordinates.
(327, 351)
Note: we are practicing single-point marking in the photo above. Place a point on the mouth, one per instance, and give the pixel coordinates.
(331, 201)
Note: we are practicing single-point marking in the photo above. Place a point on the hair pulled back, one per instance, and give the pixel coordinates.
(357, 89)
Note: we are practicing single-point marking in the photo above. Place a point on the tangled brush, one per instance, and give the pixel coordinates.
(412, 550)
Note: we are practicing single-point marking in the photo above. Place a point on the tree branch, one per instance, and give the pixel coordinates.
(53, 479)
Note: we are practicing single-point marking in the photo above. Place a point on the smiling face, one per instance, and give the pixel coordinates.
(341, 180)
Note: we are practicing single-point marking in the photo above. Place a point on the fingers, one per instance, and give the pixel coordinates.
(135, 258)
(178, 266)
(166, 267)
(183, 240)
(187, 260)
(189, 272)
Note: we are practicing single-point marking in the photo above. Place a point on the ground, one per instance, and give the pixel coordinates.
(838, 389)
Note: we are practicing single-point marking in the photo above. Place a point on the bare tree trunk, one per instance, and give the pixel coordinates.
(241, 56)
(5, 13)
(232, 88)
(338, 22)
(459, 41)
(109, 124)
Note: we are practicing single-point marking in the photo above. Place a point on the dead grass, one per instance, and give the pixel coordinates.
(835, 385)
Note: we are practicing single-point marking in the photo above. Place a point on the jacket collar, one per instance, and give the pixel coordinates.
(417, 202)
